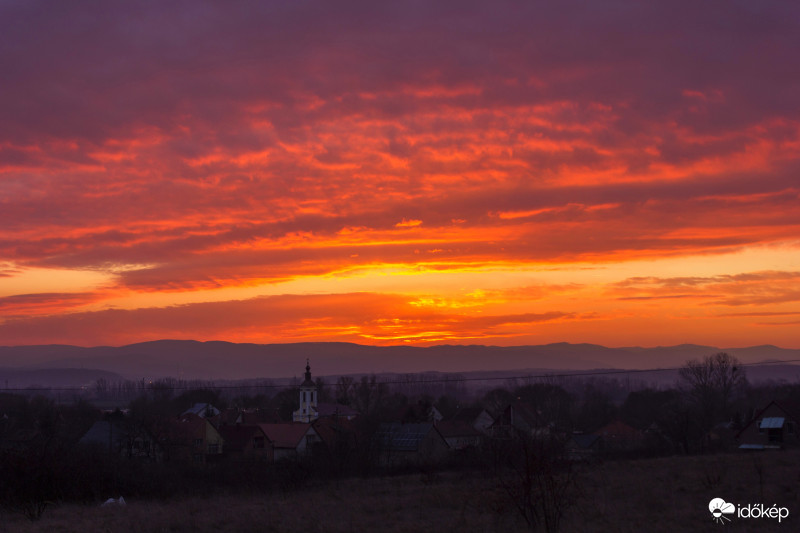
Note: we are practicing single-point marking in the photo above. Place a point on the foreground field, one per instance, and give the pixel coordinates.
(667, 494)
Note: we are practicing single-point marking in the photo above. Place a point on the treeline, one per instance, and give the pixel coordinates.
(104, 390)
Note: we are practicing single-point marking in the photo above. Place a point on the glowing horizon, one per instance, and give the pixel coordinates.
(392, 174)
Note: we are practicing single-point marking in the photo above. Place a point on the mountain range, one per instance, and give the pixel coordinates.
(218, 360)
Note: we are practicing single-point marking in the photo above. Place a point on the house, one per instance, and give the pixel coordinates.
(460, 435)
(192, 438)
(246, 443)
(406, 444)
(339, 439)
(203, 410)
(477, 417)
(227, 417)
(775, 426)
(291, 440)
(583, 447)
(520, 418)
(122, 438)
(619, 436)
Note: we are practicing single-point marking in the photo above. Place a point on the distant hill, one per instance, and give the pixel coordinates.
(53, 377)
(223, 360)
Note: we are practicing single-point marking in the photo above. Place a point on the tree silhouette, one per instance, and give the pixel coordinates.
(712, 384)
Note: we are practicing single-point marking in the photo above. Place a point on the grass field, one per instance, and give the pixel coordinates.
(653, 495)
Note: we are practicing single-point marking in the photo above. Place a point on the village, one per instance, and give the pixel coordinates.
(374, 431)
(535, 446)
(421, 434)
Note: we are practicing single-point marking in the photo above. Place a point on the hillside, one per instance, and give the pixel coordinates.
(223, 360)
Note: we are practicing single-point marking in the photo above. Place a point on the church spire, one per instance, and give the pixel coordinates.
(307, 382)
(308, 399)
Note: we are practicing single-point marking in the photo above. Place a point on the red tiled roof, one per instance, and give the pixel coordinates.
(192, 422)
(285, 434)
(335, 430)
(791, 409)
(185, 428)
(237, 436)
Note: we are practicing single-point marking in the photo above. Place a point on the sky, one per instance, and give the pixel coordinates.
(613, 172)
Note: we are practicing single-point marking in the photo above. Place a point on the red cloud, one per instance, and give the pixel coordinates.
(188, 146)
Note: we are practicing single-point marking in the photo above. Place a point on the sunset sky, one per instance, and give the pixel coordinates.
(621, 173)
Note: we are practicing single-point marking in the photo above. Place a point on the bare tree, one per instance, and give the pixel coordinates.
(344, 390)
(712, 384)
(368, 395)
(534, 477)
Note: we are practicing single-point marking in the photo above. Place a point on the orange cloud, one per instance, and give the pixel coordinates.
(27, 305)
(408, 223)
(751, 289)
(364, 317)
(258, 147)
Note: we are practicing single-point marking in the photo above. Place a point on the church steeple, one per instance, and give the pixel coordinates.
(307, 383)
(308, 399)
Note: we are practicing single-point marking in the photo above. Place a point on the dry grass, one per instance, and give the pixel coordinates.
(406, 503)
(668, 494)
(672, 494)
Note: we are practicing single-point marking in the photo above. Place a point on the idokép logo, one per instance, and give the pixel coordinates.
(722, 511)
(719, 508)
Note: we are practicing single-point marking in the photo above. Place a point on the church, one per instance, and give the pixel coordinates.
(311, 409)
(308, 399)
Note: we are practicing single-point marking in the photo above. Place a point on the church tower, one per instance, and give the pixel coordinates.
(308, 399)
